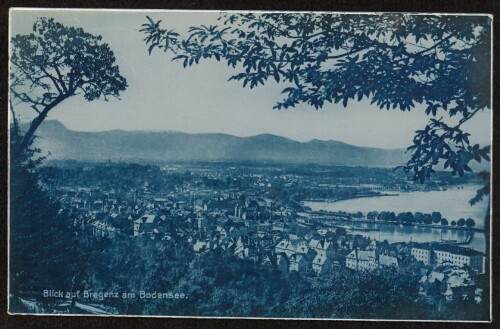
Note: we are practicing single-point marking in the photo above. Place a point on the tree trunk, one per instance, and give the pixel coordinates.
(25, 142)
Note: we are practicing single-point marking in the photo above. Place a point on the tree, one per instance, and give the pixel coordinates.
(469, 222)
(461, 222)
(358, 214)
(453, 223)
(396, 60)
(56, 62)
(427, 218)
(436, 217)
(419, 217)
(444, 222)
(360, 294)
(405, 217)
(48, 66)
(45, 250)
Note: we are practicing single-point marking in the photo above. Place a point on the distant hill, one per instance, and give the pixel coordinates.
(119, 145)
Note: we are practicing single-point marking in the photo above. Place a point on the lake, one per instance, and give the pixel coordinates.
(452, 204)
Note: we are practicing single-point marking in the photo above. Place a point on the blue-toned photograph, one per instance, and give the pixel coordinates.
(250, 164)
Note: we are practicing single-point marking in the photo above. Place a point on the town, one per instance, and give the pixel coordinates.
(255, 213)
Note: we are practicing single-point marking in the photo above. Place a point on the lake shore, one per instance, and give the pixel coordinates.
(358, 196)
(371, 221)
(453, 204)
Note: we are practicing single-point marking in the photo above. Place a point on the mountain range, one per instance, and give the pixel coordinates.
(170, 146)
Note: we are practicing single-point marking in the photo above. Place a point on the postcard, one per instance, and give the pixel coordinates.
(250, 164)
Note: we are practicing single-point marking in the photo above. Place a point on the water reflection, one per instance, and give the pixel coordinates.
(452, 204)
(396, 233)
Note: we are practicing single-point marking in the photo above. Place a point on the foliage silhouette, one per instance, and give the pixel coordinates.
(396, 60)
(56, 62)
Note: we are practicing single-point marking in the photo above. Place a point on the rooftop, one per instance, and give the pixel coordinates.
(448, 248)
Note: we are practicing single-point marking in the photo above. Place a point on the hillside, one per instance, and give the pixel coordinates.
(119, 145)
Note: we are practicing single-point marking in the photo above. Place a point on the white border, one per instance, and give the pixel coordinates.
(253, 11)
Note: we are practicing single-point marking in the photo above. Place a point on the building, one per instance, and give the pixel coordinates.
(292, 246)
(459, 256)
(388, 261)
(422, 253)
(282, 262)
(102, 229)
(436, 254)
(145, 224)
(322, 263)
(362, 260)
(199, 247)
(322, 253)
(299, 263)
(449, 281)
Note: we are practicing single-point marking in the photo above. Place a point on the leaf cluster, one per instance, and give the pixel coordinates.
(55, 62)
(395, 60)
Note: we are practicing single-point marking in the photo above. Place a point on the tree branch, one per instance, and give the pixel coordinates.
(25, 142)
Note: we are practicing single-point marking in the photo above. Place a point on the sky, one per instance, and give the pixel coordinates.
(162, 95)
